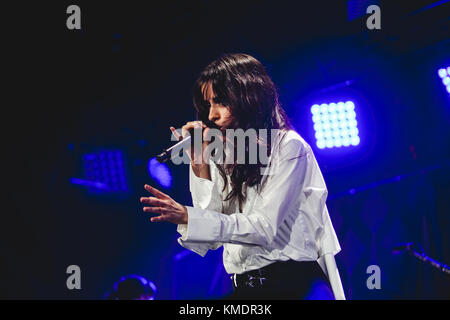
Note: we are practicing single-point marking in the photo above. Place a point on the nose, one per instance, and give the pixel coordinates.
(213, 114)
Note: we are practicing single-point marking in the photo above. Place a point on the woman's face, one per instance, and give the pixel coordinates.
(218, 113)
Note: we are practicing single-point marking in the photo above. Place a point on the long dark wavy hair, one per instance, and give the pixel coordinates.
(241, 83)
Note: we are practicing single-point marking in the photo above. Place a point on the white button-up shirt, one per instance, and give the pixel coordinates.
(288, 219)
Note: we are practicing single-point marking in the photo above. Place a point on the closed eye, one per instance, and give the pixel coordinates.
(218, 100)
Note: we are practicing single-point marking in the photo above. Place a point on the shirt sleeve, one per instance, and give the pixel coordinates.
(259, 226)
(315, 194)
(205, 195)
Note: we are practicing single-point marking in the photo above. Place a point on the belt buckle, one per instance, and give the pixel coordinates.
(253, 281)
(233, 278)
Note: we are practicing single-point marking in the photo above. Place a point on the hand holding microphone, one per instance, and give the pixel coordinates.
(185, 141)
(195, 154)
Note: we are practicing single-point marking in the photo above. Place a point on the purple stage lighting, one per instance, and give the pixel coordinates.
(444, 74)
(160, 172)
(335, 124)
(104, 172)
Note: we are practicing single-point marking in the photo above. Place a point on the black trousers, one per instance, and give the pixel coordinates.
(284, 280)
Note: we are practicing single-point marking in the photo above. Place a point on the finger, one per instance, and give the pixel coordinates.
(158, 219)
(189, 125)
(156, 192)
(175, 133)
(205, 134)
(192, 125)
(198, 124)
(159, 210)
(153, 201)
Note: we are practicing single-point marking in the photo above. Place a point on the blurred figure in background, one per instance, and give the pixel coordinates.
(133, 287)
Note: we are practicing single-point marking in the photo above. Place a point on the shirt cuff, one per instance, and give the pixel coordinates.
(182, 230)
(201, 248)
(203, 226)
(205, 193)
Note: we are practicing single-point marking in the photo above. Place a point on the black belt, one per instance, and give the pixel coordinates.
(278, 269)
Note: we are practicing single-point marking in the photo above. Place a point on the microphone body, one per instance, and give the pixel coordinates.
(167, 153)
(185, 142)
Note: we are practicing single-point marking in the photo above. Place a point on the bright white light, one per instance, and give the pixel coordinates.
(350, 114)
(329, 143)
(335, 124)
(355, 141)
(346, 142)
(349, 105)
(442, 72)
(316, 118)
(353, 131)
(318, 126)
(315, 109)
(333, 117)
(352, 123)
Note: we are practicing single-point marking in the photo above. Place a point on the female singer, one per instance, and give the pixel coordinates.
(277, 237)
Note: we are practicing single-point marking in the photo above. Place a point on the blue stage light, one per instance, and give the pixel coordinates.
(332, 107)
(160, 172)
(355, 140)
(349, 105)
(318, 126)
(335, 124)
(103, 172)
(315, 109)
(444, 74)
(329, 143)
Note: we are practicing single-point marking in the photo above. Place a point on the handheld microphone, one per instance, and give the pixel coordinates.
(167, 153)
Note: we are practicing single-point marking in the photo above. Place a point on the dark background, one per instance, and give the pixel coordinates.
(126, 76)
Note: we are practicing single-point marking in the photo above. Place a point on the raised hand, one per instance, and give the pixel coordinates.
(168, 209)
